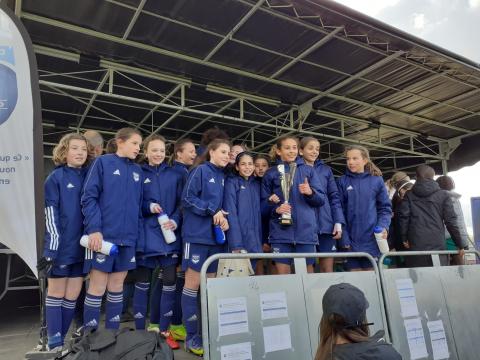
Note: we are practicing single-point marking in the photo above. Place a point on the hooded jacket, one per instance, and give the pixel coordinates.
(242, 202)
(457, 207)
(163, 186)
(423, 215)
(365, 205)
(112, 200)
(331, 212)
(376, 348)
(63, 215)
(304, 229)
(201, 199)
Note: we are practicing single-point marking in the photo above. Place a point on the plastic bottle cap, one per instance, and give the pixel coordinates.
(378, 229)
(114, 250)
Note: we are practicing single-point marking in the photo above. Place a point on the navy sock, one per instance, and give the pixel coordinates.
(68, 311)
(53, 309)
(190, 313)
(140, 299)
(155, 298)
(113, 309)
(177, 312)
(167, 306)
(91, 310)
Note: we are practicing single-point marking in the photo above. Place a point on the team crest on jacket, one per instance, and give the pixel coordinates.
(195, 259)
(136, 176)
(100, 258)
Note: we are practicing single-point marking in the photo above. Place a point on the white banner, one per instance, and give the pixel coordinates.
(21, 151)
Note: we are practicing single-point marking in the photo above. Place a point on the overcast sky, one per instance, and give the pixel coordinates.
(451, 24)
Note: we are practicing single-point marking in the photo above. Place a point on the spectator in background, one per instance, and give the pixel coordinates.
(208, 136)
(447, 183)
(395, 181)
(422, 217)
(111, 147)
(96, 140)
(394, 238)
(344, 333)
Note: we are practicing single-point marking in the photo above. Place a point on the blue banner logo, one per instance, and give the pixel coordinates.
(8, 92)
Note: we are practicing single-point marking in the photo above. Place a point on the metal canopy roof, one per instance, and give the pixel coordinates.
(256, 69)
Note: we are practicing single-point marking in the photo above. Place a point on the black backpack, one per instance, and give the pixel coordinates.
(123, 344)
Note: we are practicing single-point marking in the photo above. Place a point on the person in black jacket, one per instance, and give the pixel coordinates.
(344, 333)
(423, 215)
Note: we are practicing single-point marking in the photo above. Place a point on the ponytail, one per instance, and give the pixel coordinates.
(369, 166)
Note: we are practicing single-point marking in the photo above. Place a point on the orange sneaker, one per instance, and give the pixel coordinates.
(169, 340)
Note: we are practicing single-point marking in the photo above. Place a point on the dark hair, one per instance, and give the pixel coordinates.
(446, 183)
(179, 146)
(260, 156)
(147, 142)
(304, 141)
(211, 134)
(333, 327)
(111, 147)
(238, 158)
(370, 166)
(126, 133)
(212, 146)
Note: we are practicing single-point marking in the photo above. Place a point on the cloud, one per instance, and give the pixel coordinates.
(419, 21)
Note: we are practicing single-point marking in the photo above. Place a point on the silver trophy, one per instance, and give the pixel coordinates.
(286, 182)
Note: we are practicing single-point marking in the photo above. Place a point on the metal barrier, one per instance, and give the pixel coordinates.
(259, 316)
(432, 312)
(10, 283)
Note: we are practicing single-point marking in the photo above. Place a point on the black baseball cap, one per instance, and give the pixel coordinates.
(347, 301)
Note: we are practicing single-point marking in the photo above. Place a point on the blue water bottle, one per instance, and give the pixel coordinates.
(219, 235)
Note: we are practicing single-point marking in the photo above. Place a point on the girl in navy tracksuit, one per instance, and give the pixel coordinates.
(202, 202)
(261, 166)
(162, 190)
(111, 204)
(184, 154)
(64, 227)
(330, 215)
(365, 204)
(305, 197)
(242, 202)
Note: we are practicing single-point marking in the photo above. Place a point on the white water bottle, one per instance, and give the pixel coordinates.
(168, 234)
(107, 247)
(381, 242)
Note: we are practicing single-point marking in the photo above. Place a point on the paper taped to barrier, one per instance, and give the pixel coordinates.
(242, 351)
(276, 338)
(406, 294)
(273, 305)
(232, 316)
(415, 338)
(438, 339)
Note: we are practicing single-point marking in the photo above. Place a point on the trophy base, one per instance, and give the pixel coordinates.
(286, 222)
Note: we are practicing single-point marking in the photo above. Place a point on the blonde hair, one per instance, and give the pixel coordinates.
(370, 166)
(61, 149)
(272, 153)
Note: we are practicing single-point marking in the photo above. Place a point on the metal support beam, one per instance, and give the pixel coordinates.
(232, 32)
(307, 52)
(229, 118)
(18, 8)
(134, 19)
(92, 100)
(213, 65)
(155, 108)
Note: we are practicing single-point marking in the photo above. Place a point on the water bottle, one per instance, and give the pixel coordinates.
(381, 242)
(168, 234)
(219, 234)
(107, 247)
